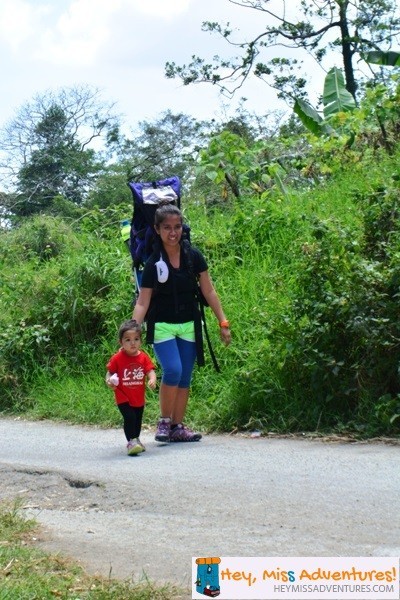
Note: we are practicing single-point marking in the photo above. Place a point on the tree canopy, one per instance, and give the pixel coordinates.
(49, 148)
(166, 145)
(320, 28)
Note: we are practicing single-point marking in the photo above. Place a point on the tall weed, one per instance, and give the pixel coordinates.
(344, 324)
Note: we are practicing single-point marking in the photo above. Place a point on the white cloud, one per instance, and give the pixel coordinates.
(159, 8)
(82, 31)
(120, 47)
(78, 34)
(17, 22)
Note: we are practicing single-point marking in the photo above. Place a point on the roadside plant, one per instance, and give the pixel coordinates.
(240, 168)
(336, 99)
(348, 329)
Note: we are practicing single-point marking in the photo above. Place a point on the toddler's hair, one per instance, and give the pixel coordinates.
(129, 325)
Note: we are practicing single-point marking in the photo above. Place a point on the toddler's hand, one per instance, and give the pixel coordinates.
(152, 384)
(113, 381)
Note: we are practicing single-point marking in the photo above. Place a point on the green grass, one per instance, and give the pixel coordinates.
(27, 573)
(79, 397)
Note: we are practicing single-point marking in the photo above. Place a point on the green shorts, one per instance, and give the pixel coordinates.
(169, 331)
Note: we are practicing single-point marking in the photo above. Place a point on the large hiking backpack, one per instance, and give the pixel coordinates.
(147, 197)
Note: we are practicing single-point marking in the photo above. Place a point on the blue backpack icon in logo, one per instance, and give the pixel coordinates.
(207, 582)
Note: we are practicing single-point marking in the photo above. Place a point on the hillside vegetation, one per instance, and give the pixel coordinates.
(306, 259)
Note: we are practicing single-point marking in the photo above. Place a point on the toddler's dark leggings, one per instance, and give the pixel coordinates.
(132, 419)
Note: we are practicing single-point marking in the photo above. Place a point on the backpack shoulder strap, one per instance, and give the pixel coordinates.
(200, 300)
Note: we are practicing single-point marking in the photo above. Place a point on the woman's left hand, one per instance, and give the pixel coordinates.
(226, 337)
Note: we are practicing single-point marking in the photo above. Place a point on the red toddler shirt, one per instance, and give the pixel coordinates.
(131, 371)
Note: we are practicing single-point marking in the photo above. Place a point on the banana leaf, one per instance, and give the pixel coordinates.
(311, 118)
(336, 98)
(387, 59)
(308, 116)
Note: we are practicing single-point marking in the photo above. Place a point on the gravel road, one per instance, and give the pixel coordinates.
(224, 496)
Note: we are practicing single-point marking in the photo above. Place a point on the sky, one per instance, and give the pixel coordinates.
(121, 47)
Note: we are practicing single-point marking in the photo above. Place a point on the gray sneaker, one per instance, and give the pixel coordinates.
(140, 444)
(135, 447)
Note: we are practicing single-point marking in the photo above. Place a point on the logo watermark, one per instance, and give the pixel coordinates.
(296, 578)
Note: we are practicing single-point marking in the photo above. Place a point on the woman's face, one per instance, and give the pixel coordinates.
(170, 230)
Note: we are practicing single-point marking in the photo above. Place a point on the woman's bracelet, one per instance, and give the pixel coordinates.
(224, 324)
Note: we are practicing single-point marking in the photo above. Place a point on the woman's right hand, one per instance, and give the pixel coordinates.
(142, 305)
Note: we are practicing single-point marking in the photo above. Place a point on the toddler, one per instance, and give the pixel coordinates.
(126, 375)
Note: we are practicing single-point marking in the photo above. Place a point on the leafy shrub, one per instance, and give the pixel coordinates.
(41, 237)
(60, 304)
(347, 325)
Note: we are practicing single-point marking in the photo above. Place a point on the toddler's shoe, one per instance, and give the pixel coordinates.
(135, 447)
